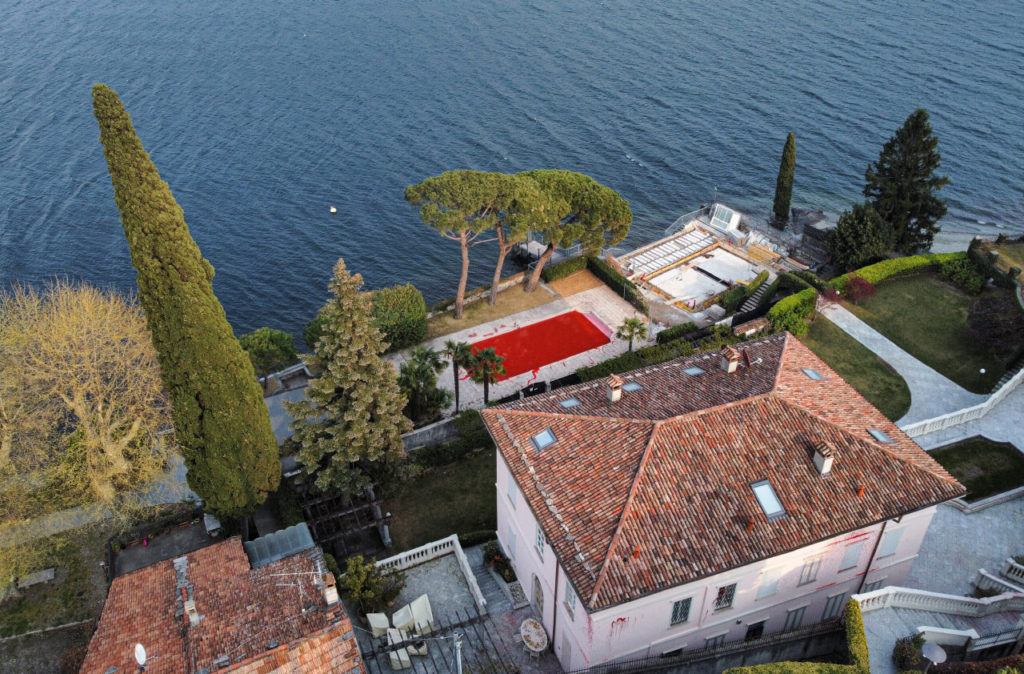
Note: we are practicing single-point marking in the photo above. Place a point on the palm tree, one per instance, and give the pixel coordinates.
(488, 366)
(461, 355)
(418, 380)
(632, 328)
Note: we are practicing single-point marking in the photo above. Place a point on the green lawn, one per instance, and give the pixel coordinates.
(453, 499)
(983, 466)
(860, 367)
(927, 318)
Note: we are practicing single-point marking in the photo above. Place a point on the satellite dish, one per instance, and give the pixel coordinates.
(140, 654)
(933, 652)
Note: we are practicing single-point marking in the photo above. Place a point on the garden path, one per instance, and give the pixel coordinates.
(931, 394)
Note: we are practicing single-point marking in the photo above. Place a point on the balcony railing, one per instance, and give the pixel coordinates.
(902, 597)
(434, 550)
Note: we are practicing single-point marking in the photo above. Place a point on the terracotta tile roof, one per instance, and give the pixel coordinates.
(632, 506)
(271, 619)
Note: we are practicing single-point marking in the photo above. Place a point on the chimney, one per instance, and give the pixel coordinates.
(730, 359)
(331, 590)
(823, 457)
(191, 612)
(614, 389)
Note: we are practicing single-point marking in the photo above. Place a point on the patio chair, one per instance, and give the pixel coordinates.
(422, 615)
(378, 623)
(400, 657)
(403, 618)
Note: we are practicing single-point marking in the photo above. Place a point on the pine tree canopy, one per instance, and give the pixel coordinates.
(220, 420)
(860, 237)
(784, 183)
(349, 428)
(902, 184)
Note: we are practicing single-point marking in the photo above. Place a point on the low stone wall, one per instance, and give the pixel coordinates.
(428, 436)
(479, 295)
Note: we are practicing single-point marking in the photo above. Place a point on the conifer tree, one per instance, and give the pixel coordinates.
(860, 237)
(784, 183)
(902, 184)
(220, 420)
(349, 428)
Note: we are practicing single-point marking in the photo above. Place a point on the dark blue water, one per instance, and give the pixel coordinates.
(261, 115)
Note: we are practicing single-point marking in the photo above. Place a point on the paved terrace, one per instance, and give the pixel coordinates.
(488, 640)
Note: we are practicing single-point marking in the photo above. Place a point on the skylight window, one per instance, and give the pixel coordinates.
(879, 435)
(545, 438)
(631, 386)
(813, 374)
(569, 403)
(769, 502)
(693, 371)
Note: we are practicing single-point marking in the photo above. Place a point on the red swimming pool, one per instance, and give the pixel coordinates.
(539, 344)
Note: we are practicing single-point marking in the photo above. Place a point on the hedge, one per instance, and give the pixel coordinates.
(619, 283)
(733, 298)
(984, 667)
(811, 278)
(987, 267)
(856, 646)
(401, 314)
(553, 272)
(675, 332)
(652, 355)
(791, 313)
(469, 539)
(898, 266)
(788, 281)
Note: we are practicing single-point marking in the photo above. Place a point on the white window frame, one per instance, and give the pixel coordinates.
(851, 556)
(688, 603)
(769, 584)
(539, 541)
(720, 596)
(884, 550)
(799, 611)
(809, 571)
(874, 585)
(570, 601)
(833, 606)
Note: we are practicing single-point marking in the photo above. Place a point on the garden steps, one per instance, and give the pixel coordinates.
(754, 299)
(497, 592)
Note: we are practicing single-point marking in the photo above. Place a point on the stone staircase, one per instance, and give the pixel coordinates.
(754, 299)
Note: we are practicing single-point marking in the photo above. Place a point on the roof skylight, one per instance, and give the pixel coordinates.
(631, 386)
(545, 438)
(569, 403)
(880, 435)
(813, 374)
(769, 502)
(693, 370)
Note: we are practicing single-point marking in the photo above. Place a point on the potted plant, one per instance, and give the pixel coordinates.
(369, 586)
(495, 559)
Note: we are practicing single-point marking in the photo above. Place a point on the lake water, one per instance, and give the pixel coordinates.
(262, 115)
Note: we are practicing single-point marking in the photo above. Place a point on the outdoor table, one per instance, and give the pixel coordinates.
(535, 639)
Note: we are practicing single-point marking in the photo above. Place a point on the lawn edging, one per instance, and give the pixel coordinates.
(978, 506)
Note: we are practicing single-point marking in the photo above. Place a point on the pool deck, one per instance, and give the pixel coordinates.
(604, 303)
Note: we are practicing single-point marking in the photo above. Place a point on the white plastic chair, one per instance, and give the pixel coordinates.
(422, 615)
(378, 624)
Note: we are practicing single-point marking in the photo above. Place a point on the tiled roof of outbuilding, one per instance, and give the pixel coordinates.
(271, 619)
(653, 491)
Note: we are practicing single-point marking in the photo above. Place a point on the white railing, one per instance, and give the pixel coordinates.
(683, 220)
(987, 581)
(922, 600)
(434, 550)
(966, 414)
(1013, 571)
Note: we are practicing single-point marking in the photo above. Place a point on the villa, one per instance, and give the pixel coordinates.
(711, 499)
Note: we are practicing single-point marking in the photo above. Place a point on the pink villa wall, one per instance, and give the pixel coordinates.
(642, 627)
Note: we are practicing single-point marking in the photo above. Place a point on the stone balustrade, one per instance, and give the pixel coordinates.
(922, 600)
(1013, 571)
(434, 550)
(967, 414)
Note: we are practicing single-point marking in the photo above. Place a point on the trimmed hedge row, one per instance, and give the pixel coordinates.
(1010, 662)
(899, 266)
(401, 314)
(791, 313)
(675, 332)
(856, 646)
(733, 298)
(553, 272)
(788, 281)
(619, 283)
(652, 355)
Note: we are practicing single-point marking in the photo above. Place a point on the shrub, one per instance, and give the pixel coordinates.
(858, 289)
(619, 283)
(652, 355)
(899, 266)
(811, 279)
(401, 314)
(986, 667)
(332, 565)
(472, 538)
(906, 654)
(269, 350)
(675, 332)
(981, 256)
(856, 641)
(791, 313)
(287, 505)
(553, 272)
(731, 299)
(963, 273)
(370, 586)
(311, 333)
(473, 435)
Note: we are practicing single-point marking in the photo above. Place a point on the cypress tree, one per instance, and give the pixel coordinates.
(220, 420)
(349, 428)
(784, 183)
(902, 184)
